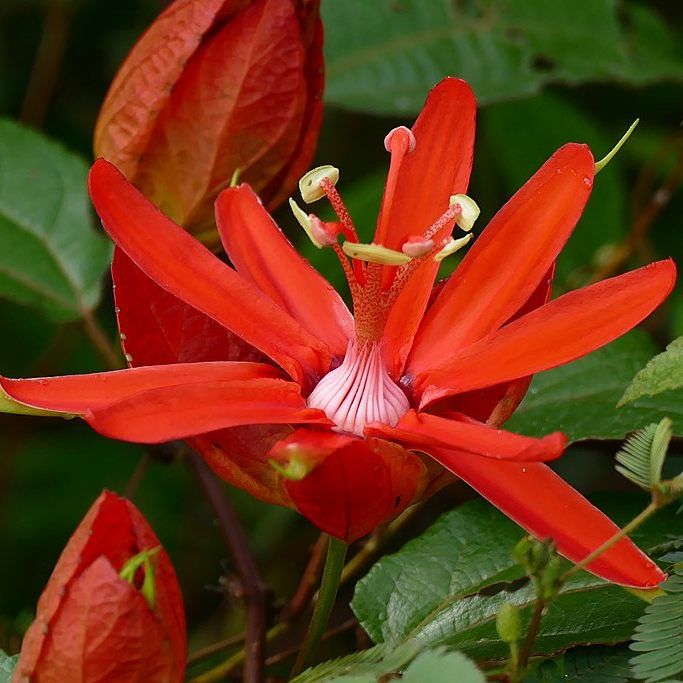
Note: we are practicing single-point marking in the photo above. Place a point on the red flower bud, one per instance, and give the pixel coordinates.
(95, 622)
(214, 87)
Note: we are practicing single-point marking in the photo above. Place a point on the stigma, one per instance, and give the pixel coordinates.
(360, 391)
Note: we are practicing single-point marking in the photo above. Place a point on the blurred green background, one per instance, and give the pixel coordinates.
(544, 73)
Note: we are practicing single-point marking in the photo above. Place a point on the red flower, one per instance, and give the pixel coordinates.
(371, 412)
(211, 87)
(92, 622)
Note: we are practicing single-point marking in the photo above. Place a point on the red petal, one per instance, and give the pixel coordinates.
(113, 529)
(438, 167)
(508, 260)
(169, 413)
(79, 393)
(157, 328)
(421, 429)
(264, 256)
(495, 405)
(241, 103)
(182, 266)
(547, 507)
(559, 332)
(354, 485)
(144, 82)
(105, 631)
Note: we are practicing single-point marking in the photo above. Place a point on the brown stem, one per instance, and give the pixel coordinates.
(137, 476)
(101, 341)
(47, 64)
(254, 588)
(214, 648)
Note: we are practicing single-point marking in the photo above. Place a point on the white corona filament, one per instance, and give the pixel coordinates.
(359, 391)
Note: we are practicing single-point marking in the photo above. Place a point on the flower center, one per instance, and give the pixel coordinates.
(359, 391)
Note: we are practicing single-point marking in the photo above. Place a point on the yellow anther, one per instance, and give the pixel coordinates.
(309, 185)
(375, 253)
(599, 165)
(304, 222)
(469, 211)
(452, 246)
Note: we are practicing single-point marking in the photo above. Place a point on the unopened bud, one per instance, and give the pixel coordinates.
(310, 184)
(509, 623)
(469, 211)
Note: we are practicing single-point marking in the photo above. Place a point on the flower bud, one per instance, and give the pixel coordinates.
(215, 86)
(112, 609)
(509, 623)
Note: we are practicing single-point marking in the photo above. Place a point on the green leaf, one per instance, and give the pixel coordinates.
(446, 587)
(7, 666)
(587, 664)
(580, 398)
(441, 666)
(383, 56)
(662, 373)
(642, 456)
(50, 256)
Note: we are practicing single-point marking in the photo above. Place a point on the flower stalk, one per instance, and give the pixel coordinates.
(334, 565)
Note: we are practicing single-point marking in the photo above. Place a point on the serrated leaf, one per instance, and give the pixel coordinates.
(580, 399)
(383, 56)
(51, 258)
(664, 372)
(446, 587)
(7, 666)
(441, 666)
(659, 635)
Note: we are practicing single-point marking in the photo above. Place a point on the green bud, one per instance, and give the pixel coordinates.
(509, 623)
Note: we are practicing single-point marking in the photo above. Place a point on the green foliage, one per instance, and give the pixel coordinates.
(587, 664)
(383, 56)
(447, 586)
(642, 457)
(373, 665)
(659, 635)
(664, 372)
(50, 256)
(7, 666)
(580, 399)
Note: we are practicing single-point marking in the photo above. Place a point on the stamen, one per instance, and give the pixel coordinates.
(469, 211)
(452, 246)
(310, 185)
(322, 234)
(359, 391)
(599, 165)
(417, 247)
(375, 253)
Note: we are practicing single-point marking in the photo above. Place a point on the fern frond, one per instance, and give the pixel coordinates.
(659, 635)
(642, 457)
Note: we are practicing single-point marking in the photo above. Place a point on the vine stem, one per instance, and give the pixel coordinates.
(622, 533)
(255, 590)
(523, 658)
(334, 564)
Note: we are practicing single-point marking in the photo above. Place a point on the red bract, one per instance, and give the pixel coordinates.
(349, 419)
(214, 86)
(93, 625)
